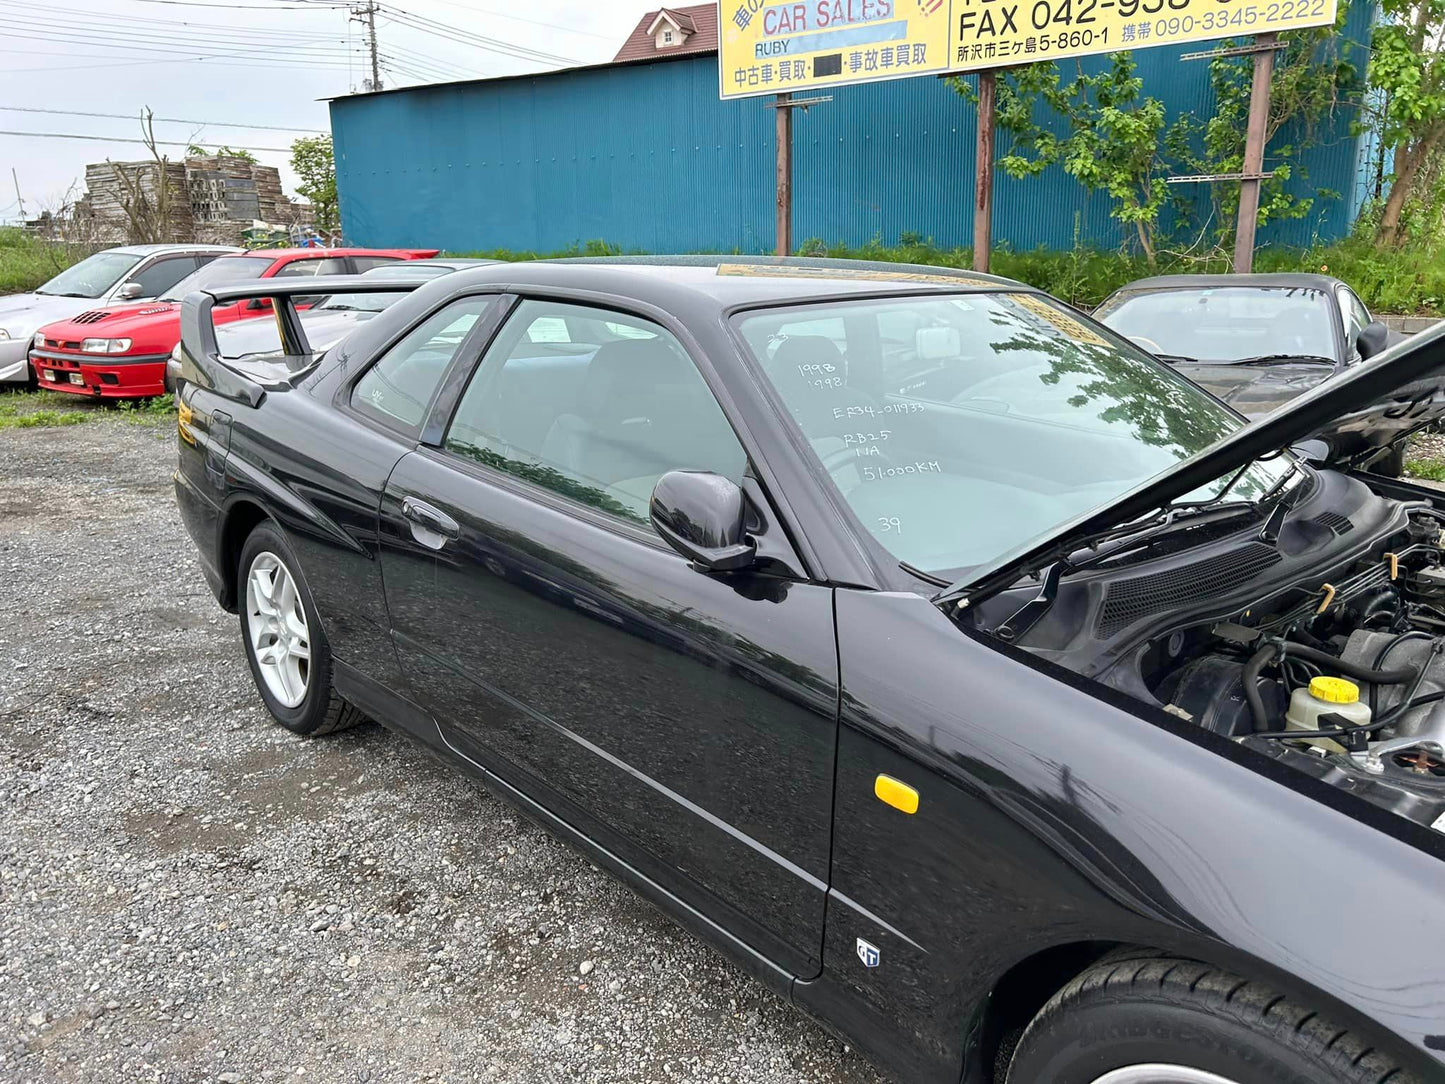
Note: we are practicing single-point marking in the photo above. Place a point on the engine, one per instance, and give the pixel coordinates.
(1317, 638)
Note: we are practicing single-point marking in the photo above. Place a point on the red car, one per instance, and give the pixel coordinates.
(121, 353)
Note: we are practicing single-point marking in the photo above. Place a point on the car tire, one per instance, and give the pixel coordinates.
(285, 644)
(1164, 1020)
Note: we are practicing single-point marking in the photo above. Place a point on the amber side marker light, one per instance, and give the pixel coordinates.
(896, 793)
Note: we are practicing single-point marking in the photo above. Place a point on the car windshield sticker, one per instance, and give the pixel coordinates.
(1061, 320)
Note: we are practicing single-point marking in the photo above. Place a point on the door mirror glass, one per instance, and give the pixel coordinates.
(1373, 339)
(130, 291)
(701, 516)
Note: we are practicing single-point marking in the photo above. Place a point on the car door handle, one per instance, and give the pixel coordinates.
(433, 519)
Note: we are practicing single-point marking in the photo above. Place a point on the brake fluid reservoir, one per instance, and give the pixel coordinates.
(1326, 696)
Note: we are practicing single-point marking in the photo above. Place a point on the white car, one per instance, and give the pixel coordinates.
(112, 277)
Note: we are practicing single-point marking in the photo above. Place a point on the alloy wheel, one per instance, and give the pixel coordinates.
(1157, 1073)
(276, 622)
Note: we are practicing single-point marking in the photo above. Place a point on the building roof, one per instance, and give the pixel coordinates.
(699, 22)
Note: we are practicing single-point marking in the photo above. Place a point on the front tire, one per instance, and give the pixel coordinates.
(285, 644)
(1163, 1020)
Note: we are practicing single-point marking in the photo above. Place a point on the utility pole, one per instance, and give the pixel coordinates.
(366, 13)
(18, 200)
(785, 104)
(1254, 152)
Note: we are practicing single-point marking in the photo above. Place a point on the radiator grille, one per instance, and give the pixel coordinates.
(1128, 601)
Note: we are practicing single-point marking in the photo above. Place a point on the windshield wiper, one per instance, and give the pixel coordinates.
(1264, 358)
(1176, 358)
(72, 293)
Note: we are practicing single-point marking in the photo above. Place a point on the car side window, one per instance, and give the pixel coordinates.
(158, 277)
(366, 263)
(333, 265)
(597, 421)
(398, 389)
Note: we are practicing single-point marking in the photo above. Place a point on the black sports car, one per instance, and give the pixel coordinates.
(1257, 341)
(976, 682)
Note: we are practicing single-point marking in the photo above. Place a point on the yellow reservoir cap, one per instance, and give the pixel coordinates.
(896, 793)
(1334, 690)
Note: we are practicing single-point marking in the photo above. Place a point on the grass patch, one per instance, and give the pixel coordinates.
(25, 409)
(1432, 470)
(1410, 280)
(26, 262)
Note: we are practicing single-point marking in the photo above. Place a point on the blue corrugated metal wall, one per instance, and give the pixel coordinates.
(647, 157)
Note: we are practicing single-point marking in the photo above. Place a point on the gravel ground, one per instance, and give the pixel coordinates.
(188, 894)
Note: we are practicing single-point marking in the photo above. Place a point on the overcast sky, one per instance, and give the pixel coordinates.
(259, 62)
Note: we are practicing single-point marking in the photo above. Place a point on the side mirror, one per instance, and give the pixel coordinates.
(1373, 339)
(701, 516)
(130, 291)
(1313, 451)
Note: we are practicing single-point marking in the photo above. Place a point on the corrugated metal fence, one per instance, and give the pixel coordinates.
(645, 156)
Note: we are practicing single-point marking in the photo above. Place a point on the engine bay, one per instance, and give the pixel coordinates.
(1312, 631)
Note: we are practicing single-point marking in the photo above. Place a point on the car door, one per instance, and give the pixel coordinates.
(685, 722)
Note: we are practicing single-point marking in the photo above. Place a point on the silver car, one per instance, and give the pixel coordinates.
(112, 277)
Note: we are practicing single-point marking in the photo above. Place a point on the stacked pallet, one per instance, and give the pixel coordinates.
(125, 197)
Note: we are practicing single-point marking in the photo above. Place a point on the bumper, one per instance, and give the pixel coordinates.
(13, 369)
(98, 377)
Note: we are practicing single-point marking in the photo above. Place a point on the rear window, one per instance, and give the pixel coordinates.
(221, 272)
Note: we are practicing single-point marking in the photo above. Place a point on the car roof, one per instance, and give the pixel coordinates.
(151, 250)
(1285, 279)
(277, 253)
(726, 282)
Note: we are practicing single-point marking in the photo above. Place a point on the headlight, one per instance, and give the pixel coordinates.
(39, 342)
(104, 346)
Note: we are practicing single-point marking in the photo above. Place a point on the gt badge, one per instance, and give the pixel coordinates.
(867, 953)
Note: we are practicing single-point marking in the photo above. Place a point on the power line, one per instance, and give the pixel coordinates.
(116, 139)
(168, 120)
(455, 33)
(531, 22)
(222, 60)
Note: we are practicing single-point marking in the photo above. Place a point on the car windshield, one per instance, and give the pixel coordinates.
(962, 427)
(219, 272)
(92, 276)
(412, 269)
(1229, 323)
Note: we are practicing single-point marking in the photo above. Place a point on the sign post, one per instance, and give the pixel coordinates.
(1254, 153)
(784, 232)
(983, 170)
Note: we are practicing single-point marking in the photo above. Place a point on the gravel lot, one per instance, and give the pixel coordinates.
(187, 893)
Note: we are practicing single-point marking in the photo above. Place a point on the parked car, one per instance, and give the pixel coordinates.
(331, 319)
(974, 680)
(1257, 341)
(116, 276)
(121, 353)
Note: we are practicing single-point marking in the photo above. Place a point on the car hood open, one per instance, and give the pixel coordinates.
(1375, 403)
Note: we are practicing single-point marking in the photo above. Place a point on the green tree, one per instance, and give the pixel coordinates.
(311, 158)
(1312, 76)
(195, 150)
(1407, 70)
(1109, 137)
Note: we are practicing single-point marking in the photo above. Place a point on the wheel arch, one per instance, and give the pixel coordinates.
(1026, 987)
(238, 520)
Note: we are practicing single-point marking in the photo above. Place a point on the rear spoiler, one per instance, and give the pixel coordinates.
(200, 356)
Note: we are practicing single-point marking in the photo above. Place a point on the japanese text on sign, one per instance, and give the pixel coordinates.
(768, 47)
(992, 33)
